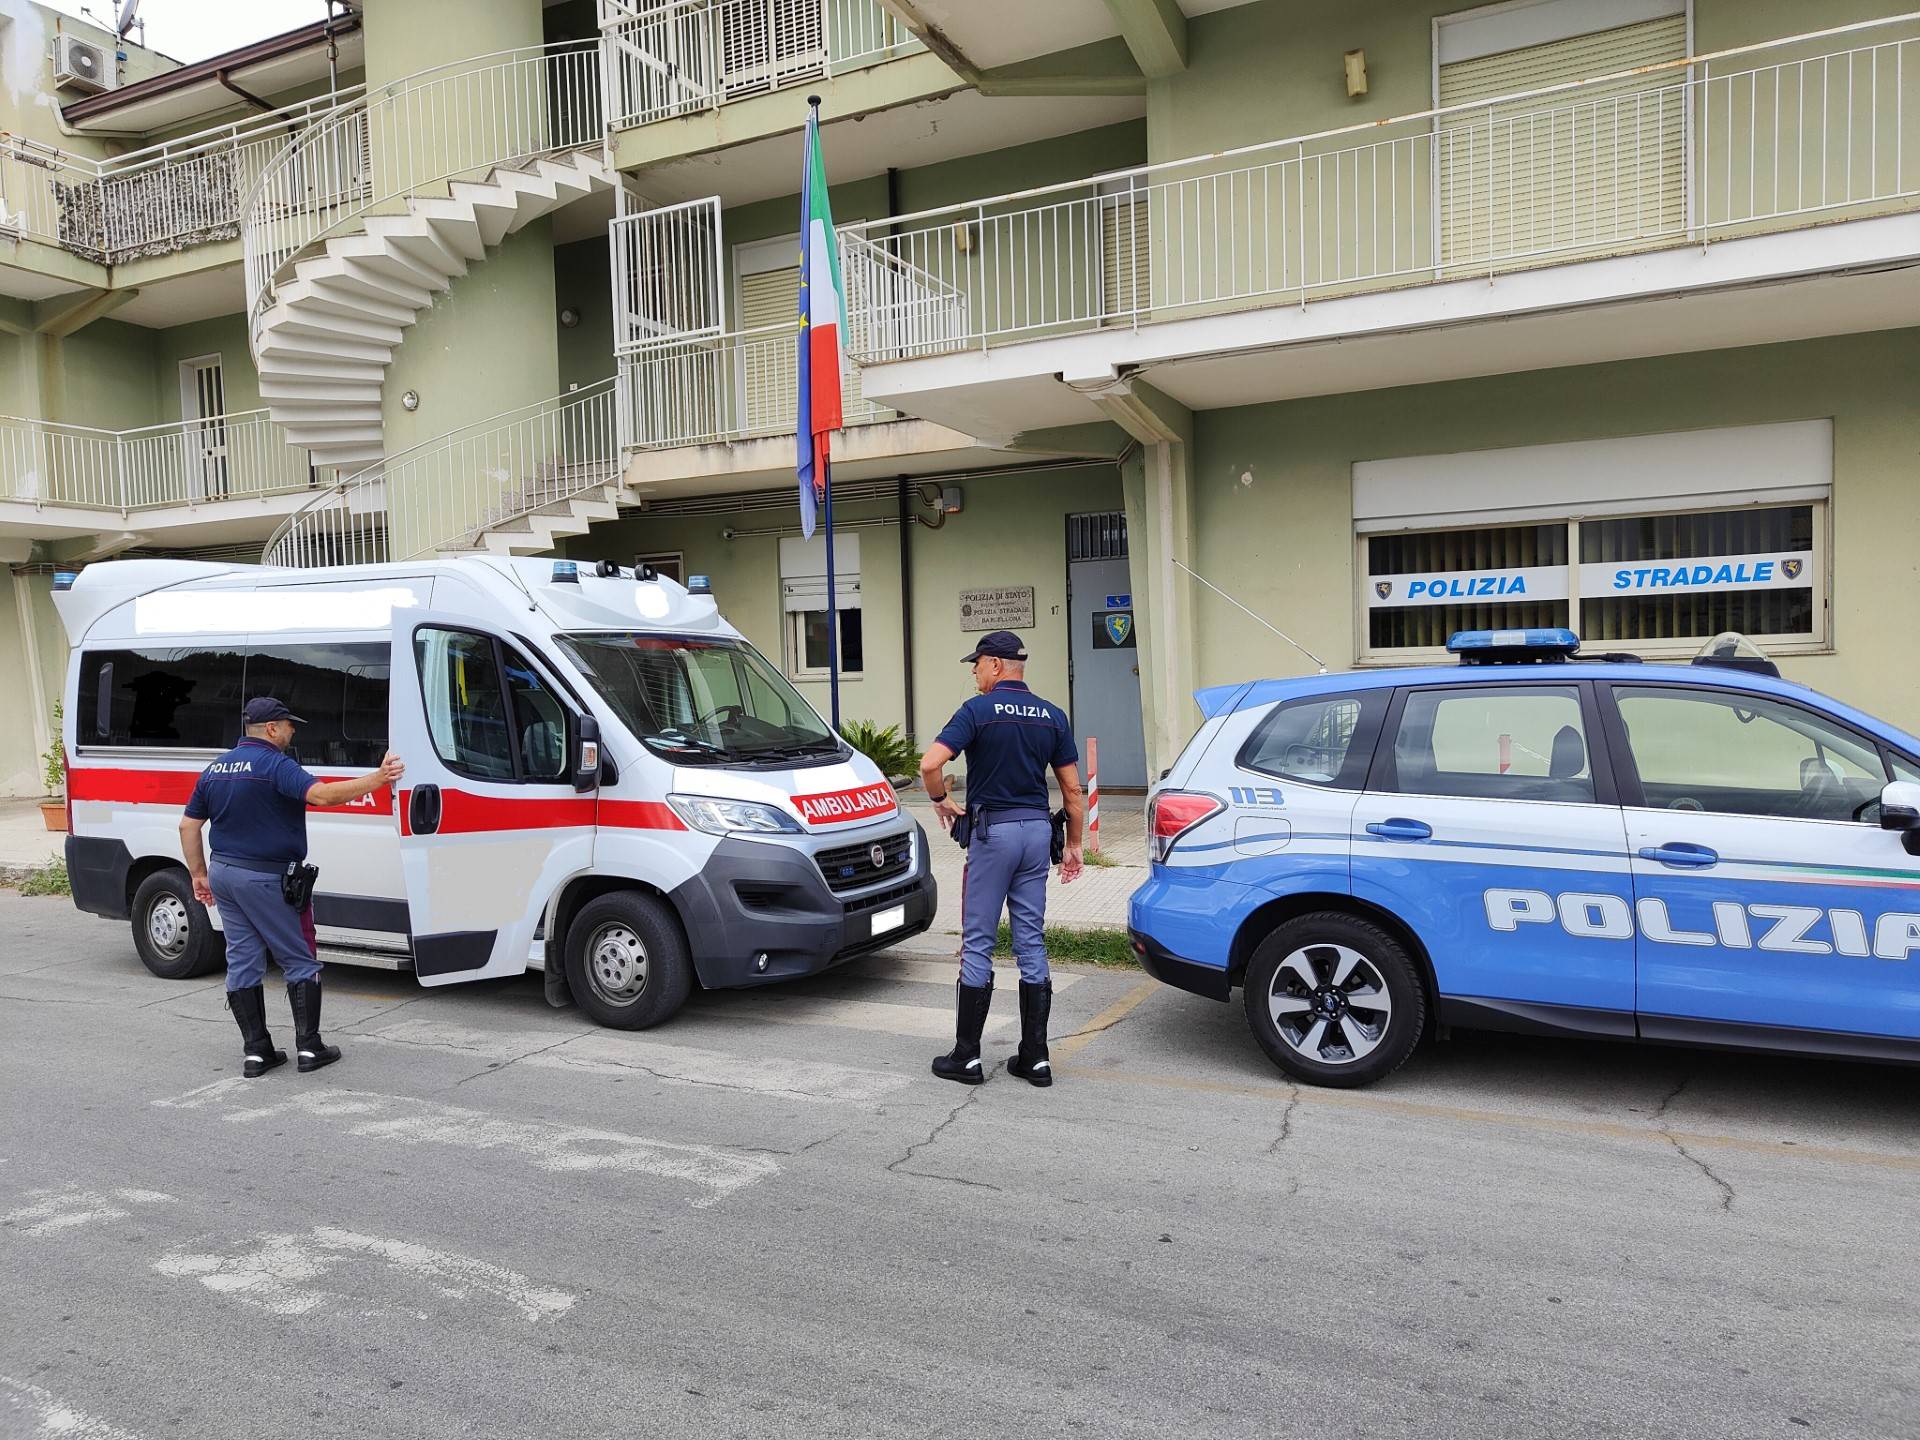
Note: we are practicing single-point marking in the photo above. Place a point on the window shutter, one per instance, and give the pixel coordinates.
(1124, 275)
(768, 368)
(1583, 169)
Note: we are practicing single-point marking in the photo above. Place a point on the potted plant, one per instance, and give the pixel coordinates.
(893, 752)
(54, 812)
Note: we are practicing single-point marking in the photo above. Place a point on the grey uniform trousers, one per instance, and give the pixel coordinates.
(260, 926)
(1006, 869)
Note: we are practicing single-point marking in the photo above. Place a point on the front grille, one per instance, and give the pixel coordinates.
(851, 867)
(882, 900)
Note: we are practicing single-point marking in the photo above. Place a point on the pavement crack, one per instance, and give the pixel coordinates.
(1286, 1119)
(800, 1150)
(934, 1134)
(509, 1064)
(1659, 1114)
(46, 1000)
(182, 994)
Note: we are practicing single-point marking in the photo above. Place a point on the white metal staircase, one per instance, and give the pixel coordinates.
(354, 228)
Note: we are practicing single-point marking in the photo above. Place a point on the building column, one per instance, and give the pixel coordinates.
(1156, 482)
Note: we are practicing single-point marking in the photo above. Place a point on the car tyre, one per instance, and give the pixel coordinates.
(627, 961)
(1334, 1000)
(172, 930)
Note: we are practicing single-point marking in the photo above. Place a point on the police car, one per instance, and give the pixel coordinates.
(1538, 841)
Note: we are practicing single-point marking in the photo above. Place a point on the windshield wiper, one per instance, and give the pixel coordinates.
(673, 740)
(789, 752)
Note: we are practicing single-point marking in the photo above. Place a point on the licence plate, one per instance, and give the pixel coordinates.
(885, 920)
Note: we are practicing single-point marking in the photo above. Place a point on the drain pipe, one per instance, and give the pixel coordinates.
(904, 506)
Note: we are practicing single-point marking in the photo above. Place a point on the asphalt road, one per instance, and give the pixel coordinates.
(767, 1219)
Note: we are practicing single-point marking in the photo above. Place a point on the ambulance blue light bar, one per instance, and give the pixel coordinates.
(1512, 647)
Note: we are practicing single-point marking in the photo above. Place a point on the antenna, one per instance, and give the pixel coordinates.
(128, 9)
(1243, 609)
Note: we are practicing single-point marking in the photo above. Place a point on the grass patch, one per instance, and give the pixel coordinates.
(1087, 947)
(49, 879)
(1099, 859)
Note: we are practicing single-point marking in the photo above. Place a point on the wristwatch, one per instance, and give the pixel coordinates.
(936, 799)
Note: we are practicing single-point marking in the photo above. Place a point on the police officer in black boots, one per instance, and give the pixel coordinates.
(256, 795)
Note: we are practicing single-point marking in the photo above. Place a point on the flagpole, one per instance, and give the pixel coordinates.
(823, 459)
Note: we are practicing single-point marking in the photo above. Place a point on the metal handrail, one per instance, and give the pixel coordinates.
(425, 130)
(446, 492)
(181, 462)
(1684, 150)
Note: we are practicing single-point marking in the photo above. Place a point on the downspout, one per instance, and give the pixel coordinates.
(904, 506)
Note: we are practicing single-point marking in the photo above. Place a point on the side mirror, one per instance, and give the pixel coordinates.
(586, 753)
(1900, 806)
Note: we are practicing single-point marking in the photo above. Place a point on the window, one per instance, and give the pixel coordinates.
(176, 698)
(1654, 583)
(1522, 742)
(340, 690)
(803, 597)
(490, 714)
(1327, 740)
(810, 642)
(1733, 754)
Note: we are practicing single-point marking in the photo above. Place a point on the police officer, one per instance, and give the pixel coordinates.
(1011, 738)
(257, 795)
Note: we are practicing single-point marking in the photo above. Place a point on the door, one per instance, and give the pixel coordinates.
(490, 823)
(203, 404)
(767, 289)
(1490, 827)
(1103, 651)
(1768, 895)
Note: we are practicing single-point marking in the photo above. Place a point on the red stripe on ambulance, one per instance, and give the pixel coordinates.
(839, 806)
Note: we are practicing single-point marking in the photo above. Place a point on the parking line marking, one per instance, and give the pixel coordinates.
(50, 1416)
(1108, 1018)
(1312, 1097)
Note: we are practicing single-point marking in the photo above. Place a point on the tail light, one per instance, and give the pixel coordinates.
(1171, 813)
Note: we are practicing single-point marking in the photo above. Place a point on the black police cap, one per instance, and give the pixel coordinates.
(999, 645)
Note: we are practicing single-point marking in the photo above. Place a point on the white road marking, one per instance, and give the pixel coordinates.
(555, 1148)
(926, 1021)
(276, 1271)
(946, 972)
(606, 1053)
(30, 1413)
(70, 1208)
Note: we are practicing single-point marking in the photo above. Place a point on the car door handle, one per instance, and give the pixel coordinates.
(423, 809)
(1682, 855)
(1401, 828)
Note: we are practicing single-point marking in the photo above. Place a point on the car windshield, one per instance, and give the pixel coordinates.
(700, 701)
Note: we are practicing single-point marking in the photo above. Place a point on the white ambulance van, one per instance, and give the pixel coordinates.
(604, 780)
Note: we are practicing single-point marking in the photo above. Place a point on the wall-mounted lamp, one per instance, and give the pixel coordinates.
(410, 401)
(1356, 73)
(569, 318)
(952, 499)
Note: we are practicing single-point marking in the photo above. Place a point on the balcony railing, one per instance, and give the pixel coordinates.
(673, 57)
(149, 201)
(412, 136)
(722, 387)
(1764, 138)
(187, 462)
(445, 494)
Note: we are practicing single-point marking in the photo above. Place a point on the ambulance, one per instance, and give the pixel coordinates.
(605, 782)
(1537, 840)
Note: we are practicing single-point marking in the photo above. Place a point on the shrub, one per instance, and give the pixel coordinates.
(54, 759)
(49, 879)
(894, 753)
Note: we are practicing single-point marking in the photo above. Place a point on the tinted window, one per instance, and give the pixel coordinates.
(539, 720)
(466, 702)
(339, 690)
(1746, 755)
(1494, 743)
(1325, 740)
(177, 698)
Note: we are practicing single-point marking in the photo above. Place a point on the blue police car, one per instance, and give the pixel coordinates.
(1538, 841)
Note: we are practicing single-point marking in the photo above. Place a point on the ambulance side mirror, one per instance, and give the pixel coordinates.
(586, 753)
(1900, 810)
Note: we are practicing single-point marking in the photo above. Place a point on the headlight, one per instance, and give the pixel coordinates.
(729, 817)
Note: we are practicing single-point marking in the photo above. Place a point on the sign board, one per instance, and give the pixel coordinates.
(1119, 602)
(1468, 587)
(1008, 608)
(1113, 630)
(1782, 570)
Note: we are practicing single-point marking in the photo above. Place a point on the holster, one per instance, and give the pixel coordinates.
(1057, 841)
(297, 882)
(963, 830)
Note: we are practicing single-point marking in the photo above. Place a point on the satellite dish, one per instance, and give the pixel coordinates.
(127, 11)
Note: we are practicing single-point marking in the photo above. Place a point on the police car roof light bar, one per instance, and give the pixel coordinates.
(1243, 609)
(1513, 647)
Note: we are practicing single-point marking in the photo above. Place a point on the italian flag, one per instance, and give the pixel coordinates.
(818, 413)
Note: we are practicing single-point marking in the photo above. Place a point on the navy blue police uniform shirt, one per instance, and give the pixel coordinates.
(1011, 738)
(256, 797)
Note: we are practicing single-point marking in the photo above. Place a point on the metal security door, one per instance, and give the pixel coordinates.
(203, 403)
(667, 318)
(1103, 648)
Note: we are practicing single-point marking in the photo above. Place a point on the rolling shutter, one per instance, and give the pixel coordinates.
(1124, 273)
(768, 373)
(1583, 169)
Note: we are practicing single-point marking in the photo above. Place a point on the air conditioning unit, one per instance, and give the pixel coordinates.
(78, 65)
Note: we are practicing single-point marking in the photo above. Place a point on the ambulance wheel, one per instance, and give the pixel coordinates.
(627, 961)
(1334, 1000)
(171, 929)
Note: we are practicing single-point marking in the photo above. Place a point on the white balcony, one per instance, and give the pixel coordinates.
(1253, 275)
(675, 57)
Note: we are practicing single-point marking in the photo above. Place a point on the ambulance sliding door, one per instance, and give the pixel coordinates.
(490, 819)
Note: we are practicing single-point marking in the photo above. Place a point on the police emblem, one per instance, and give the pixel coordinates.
(1119, 626)
(1793, 568)
(1383, 588)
